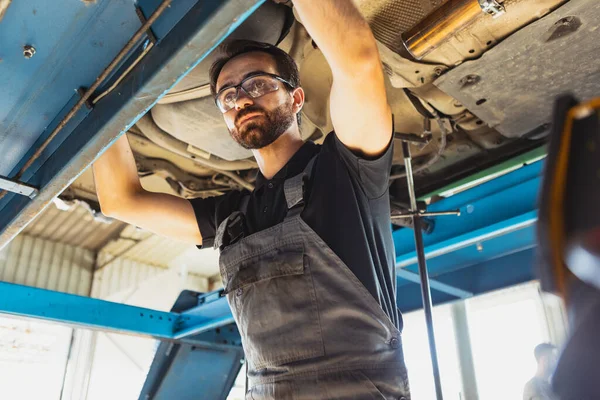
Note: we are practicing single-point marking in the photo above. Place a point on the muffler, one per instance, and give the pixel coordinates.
(444, 22)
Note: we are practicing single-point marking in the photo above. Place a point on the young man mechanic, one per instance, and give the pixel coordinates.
(307, 258)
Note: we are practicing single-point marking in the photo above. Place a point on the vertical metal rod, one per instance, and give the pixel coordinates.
(425, 290)
(246, 386)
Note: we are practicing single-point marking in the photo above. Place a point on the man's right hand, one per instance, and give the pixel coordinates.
(122, 197)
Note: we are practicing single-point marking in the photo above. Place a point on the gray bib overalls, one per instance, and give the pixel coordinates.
(309, 327)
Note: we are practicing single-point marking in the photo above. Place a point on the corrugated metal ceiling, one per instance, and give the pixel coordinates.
(75, 227)
(144, 247)
(47, 264)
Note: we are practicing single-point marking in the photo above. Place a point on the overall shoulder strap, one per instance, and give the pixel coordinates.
(294, 189)
(233, 225)
(243, 208)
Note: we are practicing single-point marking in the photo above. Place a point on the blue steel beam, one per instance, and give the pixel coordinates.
(195, 35)
(434, 284)
(85, 312)
(211, 312)
(509, 270)
(497, 221)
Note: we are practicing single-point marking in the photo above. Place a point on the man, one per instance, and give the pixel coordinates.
(539, 388)
(307, 258)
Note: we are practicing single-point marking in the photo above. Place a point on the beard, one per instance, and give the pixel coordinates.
(263, 130)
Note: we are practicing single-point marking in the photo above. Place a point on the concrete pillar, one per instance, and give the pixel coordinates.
(463, 349)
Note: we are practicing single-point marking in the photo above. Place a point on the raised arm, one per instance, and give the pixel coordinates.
(360, 113)
(121, 196)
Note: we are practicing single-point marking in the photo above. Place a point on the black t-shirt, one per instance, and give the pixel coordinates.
(347, 206)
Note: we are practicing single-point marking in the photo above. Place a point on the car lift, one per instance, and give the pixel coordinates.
(201, 352)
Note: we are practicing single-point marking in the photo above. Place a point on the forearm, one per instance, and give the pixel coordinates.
(115, 175)
(121, 196)
(341, 33)
(358, 88)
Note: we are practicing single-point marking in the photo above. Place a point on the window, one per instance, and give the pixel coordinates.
(418, 360)
(33, 358)
(505, 327)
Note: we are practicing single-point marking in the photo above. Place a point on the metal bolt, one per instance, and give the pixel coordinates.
(479, 247)
(438, 71)
(566, 21)
(469, 80)
(28, 51)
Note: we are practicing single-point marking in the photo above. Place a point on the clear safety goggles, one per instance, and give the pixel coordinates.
(254, 86)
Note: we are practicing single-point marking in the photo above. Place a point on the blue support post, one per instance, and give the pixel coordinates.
(211, 311)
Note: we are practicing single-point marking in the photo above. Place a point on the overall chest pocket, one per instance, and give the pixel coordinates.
(273, 300)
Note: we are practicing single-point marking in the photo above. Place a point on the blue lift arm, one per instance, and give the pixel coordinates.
(210, 312)
(187, 32)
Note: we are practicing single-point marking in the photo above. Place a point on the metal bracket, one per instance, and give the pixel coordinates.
(434, 284)
(81, 92)
(492, 7)
(18, 187)
(410, 214)
(413, 138)
(143, 19)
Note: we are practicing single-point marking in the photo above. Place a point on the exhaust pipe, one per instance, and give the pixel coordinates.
(440, 25)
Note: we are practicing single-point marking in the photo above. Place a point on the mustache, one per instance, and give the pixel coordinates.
(248, 110)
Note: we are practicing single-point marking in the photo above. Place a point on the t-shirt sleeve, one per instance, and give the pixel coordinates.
(210, 212)
(372, 174)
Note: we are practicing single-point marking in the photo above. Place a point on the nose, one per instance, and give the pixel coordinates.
(243, 100)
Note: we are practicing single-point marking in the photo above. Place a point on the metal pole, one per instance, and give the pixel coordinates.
(425, 290)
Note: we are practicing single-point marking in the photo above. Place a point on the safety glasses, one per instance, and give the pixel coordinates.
(254, 86)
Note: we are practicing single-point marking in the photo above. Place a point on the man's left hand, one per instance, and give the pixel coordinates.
(361, 116)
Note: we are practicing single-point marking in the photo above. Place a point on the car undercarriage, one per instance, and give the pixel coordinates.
(471, 88)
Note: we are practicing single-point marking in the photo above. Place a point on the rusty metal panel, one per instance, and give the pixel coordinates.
(46, 264)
